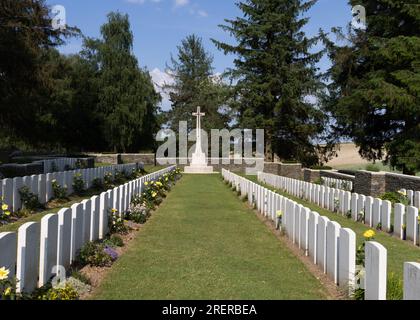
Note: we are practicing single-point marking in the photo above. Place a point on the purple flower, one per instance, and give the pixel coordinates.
(111, 252)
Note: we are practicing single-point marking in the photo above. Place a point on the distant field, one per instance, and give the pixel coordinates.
(348, 158)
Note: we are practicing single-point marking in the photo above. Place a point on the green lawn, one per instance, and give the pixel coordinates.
(204, 243)
(399, 251)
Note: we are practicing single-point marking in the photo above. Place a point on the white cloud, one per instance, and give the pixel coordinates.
(160, 79)
(181, 3)
(202, 13)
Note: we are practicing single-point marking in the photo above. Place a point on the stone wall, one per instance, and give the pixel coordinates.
(291, 170)
(395, 182)
(310, 175)
(120, 158)
(369, 183)
(146, 158)
(377, 183)
(336, 175)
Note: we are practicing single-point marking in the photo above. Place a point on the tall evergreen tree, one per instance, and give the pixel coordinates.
(275, 74)
(375, 90)
(26, 81)
(195, 85)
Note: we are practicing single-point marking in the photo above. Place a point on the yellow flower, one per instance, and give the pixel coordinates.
(114, 210)
(154, 194)
(4, 207)
(8, 291)
(7, 213)
(4, 273)
(369, 234)
(279, 213)
(404, 193)
(146, 183)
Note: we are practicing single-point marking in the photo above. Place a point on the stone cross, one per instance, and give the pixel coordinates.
(198, 114)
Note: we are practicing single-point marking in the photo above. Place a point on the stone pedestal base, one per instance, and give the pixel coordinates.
(198, 169)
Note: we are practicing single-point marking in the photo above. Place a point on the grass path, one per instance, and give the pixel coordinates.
(204, 243)
(399, 251)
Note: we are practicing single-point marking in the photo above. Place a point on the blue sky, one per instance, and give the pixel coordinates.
(159, 25)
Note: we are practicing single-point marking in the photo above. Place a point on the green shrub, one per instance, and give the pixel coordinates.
(30, 200)
(395, 197)
(93, 254)
(116, 223)
(114, 241)
(78, 185)
(97, 184)
(372, 168)
(80, 276)
(59, 192)
(108, 181)
(66, 293)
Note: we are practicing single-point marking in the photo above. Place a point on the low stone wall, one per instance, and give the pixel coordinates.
(146, 158)
(336, 175)
(395, 182)
(376, 184)
(120, 158)
(369, 183)
(310, 175)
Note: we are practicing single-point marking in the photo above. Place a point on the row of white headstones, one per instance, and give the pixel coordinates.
(331, 247)
(39, 251)
(41, 184)
(377, 213)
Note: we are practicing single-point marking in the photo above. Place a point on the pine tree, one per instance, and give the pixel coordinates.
(195, 85)
(375, 90)
(275, 74)
(127, 99)
(26, 81)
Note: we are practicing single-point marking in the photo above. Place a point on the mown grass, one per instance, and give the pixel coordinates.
(37, 216)
(399, 251)
(204, 243)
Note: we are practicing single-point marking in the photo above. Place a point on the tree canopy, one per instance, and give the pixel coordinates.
(374, 93)
(276, 75)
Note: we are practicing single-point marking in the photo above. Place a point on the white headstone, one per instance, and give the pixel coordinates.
(333, 232)
(312, 235)
(27, 265)
(87, 216)
(412, 223)
(103, 214)
(76, 230)
(376, 212)
(8, 245)
(64, 237)
(94, 222)
(17, 185)
(354, 205)
(399, 213)
(347, 258)
(321, 242)
(48, 247)
(376, 271)
(411, 281)
(368, 211)
(386, 215)
(8, 192)
(303, 233)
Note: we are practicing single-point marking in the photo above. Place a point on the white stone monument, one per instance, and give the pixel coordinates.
(198, 161)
